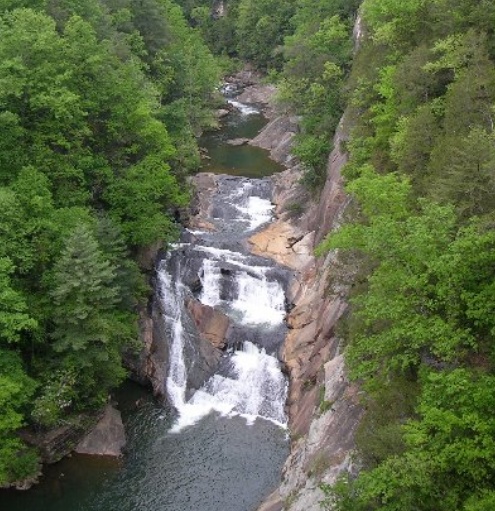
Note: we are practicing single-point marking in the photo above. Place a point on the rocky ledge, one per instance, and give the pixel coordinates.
(323, 406)
(107, 438)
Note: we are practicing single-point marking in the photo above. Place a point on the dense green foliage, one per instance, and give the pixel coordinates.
(100, 103)
(421, 328)
(317, 61)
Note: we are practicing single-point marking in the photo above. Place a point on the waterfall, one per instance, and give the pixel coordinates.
(249, 381)
(210, 281)
(259, 301)
(243, 108)
(254, 388)
(177, 378)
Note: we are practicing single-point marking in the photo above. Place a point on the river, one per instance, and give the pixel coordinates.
(220, 448)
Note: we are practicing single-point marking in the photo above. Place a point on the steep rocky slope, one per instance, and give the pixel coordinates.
(323, 406)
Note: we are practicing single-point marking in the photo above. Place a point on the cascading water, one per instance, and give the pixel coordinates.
(243, 108)
(231, 452)
(177, 377)
(249, 381)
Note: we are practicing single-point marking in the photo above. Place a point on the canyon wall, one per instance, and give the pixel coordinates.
(323, 405)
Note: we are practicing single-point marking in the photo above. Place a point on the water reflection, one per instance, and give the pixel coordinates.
(244, 160)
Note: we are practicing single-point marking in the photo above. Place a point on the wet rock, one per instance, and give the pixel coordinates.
(211, 323)
(205, 184)
(238, 141)
(260, 94)
(149, 366)
(148, 255)
(221, 113)
(57, 443)
(107, 438)
(23, 484)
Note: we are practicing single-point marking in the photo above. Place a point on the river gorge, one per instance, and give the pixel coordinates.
(220, 446)
(255, 410)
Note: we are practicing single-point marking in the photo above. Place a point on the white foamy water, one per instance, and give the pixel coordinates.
(259, 301)
(210, 281)
(258, 211)
(235, 258)
(254, 388)
(253, 209)
(177, 376)
(251, 383)
(243, 108)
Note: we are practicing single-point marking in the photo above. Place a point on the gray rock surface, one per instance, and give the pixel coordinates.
(107, 438)
(238, 141)
(322, 425)
(260, 94)
(221, 113)
(277, 137)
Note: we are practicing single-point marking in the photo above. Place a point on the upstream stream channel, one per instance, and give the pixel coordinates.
(221, 447)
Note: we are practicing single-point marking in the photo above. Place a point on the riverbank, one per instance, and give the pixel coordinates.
(324, 408)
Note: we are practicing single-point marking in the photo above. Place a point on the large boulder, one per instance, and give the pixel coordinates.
(276, 137)
(211, 324)
(107, 438)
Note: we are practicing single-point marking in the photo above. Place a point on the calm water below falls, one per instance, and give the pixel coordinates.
(244, 160)
(221, 448)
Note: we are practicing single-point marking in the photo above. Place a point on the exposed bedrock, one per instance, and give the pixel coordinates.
(323, 406)
(107, 438)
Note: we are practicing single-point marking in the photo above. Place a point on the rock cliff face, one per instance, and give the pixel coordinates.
(323, 406)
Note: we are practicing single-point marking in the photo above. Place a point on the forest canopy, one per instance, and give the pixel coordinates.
(420, 241)
(100, 104)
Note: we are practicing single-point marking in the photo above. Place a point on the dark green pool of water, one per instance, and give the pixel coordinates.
(220, 464)
(244, 160)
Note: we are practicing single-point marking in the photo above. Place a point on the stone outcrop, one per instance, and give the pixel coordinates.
(211, 323)
(259, 94)
(56, 443)
(149, 366)
(277, 137)
(221, 113)
(323, 406)
(205, 185)
(238, 141)
(107, 438)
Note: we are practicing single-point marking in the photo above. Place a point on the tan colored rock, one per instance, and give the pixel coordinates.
(200, 225)
(238, 141)
(205, 184)
(211, 324)
(222, 112)
(272, 503)
(283, 243)
(322, 426)
(258, 93)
